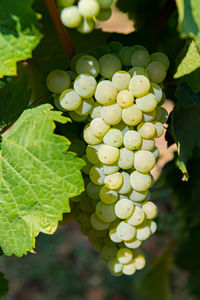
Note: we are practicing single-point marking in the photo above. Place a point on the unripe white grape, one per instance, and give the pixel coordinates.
(113, 137)
(147, 130)
(105, 92)
(164, 117)
(159, 56)
(155, 152)
(70, 100)
(97, 223)
(163, 99)
(147, 103)
(139, 85)
(133, 243)
(85, 107)
(126, 186)
(129, 269)
(108, 252)
(108, 196)
(91, 153)
(137, 217)
(132, 140)
(149, 116)
(152, 226)
(57, 81)
(88, 8)
(70, 16)
(121, 80)
(105, 212)
(114, 266)
(125, 98)
(156, 89)
(86, 205)
(124, 255)
(108, 155)
(110, 169)
(99, 127)
(114, 236)
(147, 144)
(124, 208)
(125, 54)
(87, 64)
(157, 71)
(109, 64)
(88, 165)
(104, 14)
(96, 175)
(86, 25)
(140, 58)
(140, 262)
(85, 85)
(93, 191)
(125, 231)
(144, 161)
(98, 244)
(111, 114)
(89, 137)
(114, 181)
(159, 129)
(74, 60)
(65, 3)
(140, 182)
(84, 219)
(126, 159)
(138, 196)
(96, 111)
(143, 232)
(150, 210)
(138, 71)
(104, 4)
(132, 115)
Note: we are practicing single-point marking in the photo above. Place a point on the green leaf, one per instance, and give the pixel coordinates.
(14, 98)
(189, 20)
(3, 285)
(38, 177)
(18, 34)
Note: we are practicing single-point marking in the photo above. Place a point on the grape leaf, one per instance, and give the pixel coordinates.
(19, 34)
(38, 177)
(3, 285)
(14, 98)
(189, 20)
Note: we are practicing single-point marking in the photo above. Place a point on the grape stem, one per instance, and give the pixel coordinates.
(60, 28)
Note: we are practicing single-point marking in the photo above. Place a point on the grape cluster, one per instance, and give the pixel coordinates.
(84, 15)
(119, 96)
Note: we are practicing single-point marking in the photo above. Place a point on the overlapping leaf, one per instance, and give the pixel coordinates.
(38, 177)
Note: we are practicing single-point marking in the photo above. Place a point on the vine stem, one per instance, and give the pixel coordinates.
(60, 28)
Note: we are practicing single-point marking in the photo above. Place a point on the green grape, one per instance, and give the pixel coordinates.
(91, 154)
(159, 56)
(104, 4)
(93, 190)
(129, 269)
(125, 56)
(74, 60)
(152, 225)
(77, 118)
(72, 74)
(114, 236)
(98, 245)
(138, 196)
(147, 103)
(121, 80)
(57, 102)
(114, 266)
(109, 64)
(125, 231)
(86, 26)
(126, 186)
(125, 98)
(108, 252)
(156, 89)
(143, 232)
(87, 64)
(140, 58)
(88, 8)
(150, 210)
(84, 219)
(110, 169)
(124, 208)
(124, 255)
(144, 161)
(132, 140)
(58, 81)
(146, 130)
(147, 144)
(107, 154)
(137, 217)
(108, 196)
(122, 127)
(126, 159)
(96, 111)
(114, 181)
(155, 152)
(105, 212)
(133, 243)
(89, 137)
(138, 47)
(164, 116)
(113, 137)
(65, 3)
(149, 116)
(87, 167)
(115, 46)
(139, 85)
(157, 71)
(104, 14)
(138, 71)
(96, 175)
(70, 100)
(70, 16)
(94, 234)
(86, 205)
(132, 115)
(159, 129)
(85, 85)
(98, 127)
(111, 114)
(140, 262)
(85, 107)
(97, 223)
(140, 182)
(105, 92)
